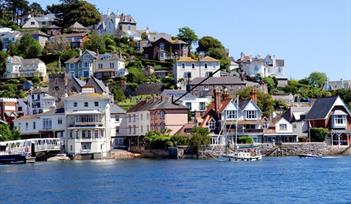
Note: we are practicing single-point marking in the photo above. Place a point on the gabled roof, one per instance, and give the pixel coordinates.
(321, 108)
(100, 84)
(79, 82)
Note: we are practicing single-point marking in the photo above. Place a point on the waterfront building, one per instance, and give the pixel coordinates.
(88, 124)
(331, 113)
(17, 67)
(117, 116)
(224, 113)
(40, 101)
(186, 69)
(158, 113)
(8, 107)
(296, 115)
(279, 130)
(50, 124)
(270, 66)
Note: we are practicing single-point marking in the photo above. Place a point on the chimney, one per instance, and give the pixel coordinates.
(225, 94)
(80, 52)
(253, 95)
(217, 99)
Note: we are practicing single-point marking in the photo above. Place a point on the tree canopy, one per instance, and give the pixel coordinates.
(188, 35)
(213, 47)
(7, 134)
(70, 11)
(28, 47)
(317, 79)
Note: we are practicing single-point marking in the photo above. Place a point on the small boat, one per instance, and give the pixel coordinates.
(243, 156)
(310, 155)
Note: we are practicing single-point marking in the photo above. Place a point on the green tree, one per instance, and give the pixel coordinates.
(317, 79)
(199, 139)
(110, 44)
(271, 83)
(214, 48)
(17, 8)
(118, 93)
(144, 36)
(345, 95)
(245, 140)
(28, 47)
(7, 134)
(96, 43)
(318, 134)
(71, 11)
(3, 57)
(188, 35)
(68, 54)
(57, 44)
(135, 75)
(36, 9)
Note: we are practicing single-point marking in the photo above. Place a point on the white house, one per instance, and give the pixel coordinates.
(88, 124)
(39, 101)
(186, 69)
(50, 124)
(270, 66)
(109, 24)
(101, 65)
(109, 66)
(279, 130)
(117, 116)
(18, 67)
(39, 22)
(7, 36)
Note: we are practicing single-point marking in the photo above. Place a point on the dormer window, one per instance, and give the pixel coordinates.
(231, 114)
(251, 114)
(340, 119)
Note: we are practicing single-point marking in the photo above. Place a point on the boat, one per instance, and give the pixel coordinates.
(241, 152)
(310, 155)
(6, 158)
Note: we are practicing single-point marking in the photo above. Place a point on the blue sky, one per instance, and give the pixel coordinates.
(313, 35)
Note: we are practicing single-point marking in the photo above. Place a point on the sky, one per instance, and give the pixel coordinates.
(313, 35)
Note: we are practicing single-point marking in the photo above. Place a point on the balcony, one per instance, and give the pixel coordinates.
(90, 124)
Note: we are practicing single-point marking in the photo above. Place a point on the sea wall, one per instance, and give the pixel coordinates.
(294, 149)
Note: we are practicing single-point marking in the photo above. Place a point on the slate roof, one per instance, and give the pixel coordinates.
(100, 84)
(177, 93)
(289, 114)
(219, 81)
(115, 109)
(321, 108)
(156, 103)
(149, 88)
(79, 82)
(126, 18)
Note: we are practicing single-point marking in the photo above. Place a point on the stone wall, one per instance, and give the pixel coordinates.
(294, 149)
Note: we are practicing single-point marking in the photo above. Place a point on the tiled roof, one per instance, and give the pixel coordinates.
(77, 26)
(218, 80)
(47, 113)
(79, 82)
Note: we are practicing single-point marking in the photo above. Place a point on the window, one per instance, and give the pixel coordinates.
(75, 104)
(100, 66)
(83, 133)
(112, 65)
(202, 105)
(96, 103)
(206, 66)
(283, 127)
(208, 74)
(117, 130)
(212, 125)
(117, 118)
(141, 128)
(96, 134)
(183, 66)
(71, 134)
(129, 27)
(162, 46)
(47, 123)
(130, 129)
(130, 118)
(134, 129)
(188, 105)
(251, 114)
(34, 125)
(340, 119)
(134, 118)
(59, 121)
(162, 115)
(187, 75)
(20, 108)
(86, 104)
(193, 66)
(141, 116)
(26, 126)
(32, 23)
(231, 114)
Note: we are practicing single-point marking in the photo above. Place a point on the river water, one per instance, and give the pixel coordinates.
(272, 180)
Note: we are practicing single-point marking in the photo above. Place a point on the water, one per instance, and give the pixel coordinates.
(272, 180)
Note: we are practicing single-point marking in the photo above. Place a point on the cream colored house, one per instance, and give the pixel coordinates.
(18, 67)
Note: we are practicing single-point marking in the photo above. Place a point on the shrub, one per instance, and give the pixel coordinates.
(245, 140)
(180, 140)
(318, 134)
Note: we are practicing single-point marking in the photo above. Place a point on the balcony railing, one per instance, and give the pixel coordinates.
(80, 124)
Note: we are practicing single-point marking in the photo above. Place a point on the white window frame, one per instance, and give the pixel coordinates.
(340, 119)
(251, 114)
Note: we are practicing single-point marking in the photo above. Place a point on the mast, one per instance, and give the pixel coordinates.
(236, 123)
